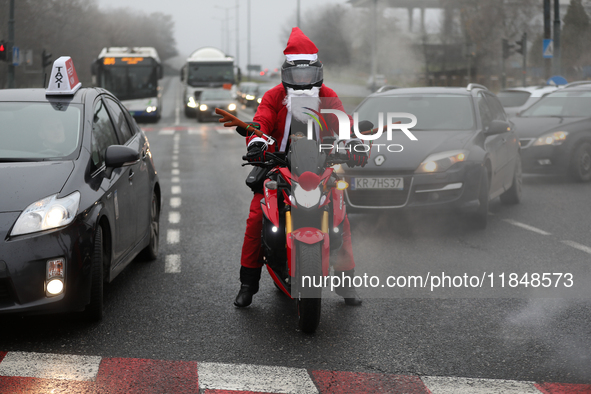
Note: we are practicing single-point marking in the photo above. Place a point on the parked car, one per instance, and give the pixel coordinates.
(80, 195)
(211, 99)
(466, 154)
(515, 100)
(555, 133)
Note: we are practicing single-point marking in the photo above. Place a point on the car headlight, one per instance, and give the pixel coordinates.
(203, 107)
(48, 213)
(232, 107)
(259, 100)
(306, 198)
(192, 103)
(249, 97)
(439, 162)
(555, 138)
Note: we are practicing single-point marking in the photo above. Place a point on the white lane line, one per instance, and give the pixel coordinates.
(175, 157)
(175, 190)
(177, 137)
(175, 151)
(167, 131)
(175, 164)
(175, 202)
(175, 171)
(259, 378)
(50, 366)
(193, 130)
(225, 130)
(174, 217)
(172, 264)
(175, 179)
(177, 116)
(575, 245)
(452, 385)
(526, 226)
(173, 236)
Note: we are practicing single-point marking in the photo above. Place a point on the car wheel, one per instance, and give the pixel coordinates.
(150, 252)
(94, 310)
(581, 163)
(478, 220)
(514, 193)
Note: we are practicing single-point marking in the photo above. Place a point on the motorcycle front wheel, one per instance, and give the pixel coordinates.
(309, 298)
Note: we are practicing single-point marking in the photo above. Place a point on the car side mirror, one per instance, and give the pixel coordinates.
(120, 156)
(498, 127)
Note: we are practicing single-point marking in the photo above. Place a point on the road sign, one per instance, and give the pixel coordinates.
(548, 51)
(16, 56)
(556, 80)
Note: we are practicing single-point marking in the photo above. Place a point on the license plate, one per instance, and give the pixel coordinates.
(377, 183)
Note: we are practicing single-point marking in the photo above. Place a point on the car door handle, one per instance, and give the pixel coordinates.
(144, 154)
(131, 174)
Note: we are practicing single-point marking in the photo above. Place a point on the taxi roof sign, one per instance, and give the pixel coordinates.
(63, 79)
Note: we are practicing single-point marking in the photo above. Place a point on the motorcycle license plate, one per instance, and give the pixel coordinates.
(377, 183)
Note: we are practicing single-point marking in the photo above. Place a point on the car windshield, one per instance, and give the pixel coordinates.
(513, 98)
(217, 94)
(39, 131)
(561, 104)
(433, 111)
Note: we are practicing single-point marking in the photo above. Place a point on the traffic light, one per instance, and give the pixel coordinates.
(3, 51)
(507, 48)
(521, 45)
(45, 59)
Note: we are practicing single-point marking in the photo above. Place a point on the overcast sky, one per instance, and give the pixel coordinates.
(201, 23)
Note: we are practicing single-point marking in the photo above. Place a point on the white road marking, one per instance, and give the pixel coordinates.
(174, 217)
(177, 116)
(453, 385)
(196, 131)
(175, 202)
(167, 131)
(175, 164)
(175, 190)
(175, 151)
(255, 378)
(172, 265)
(575, 245)
(175, 157)
(50, 366)
(177, 137)
(526, 226)
(175, 179)
(225, 130)
(175, 171)
(173, 236)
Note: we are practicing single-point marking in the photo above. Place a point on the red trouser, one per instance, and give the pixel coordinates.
(252, 251)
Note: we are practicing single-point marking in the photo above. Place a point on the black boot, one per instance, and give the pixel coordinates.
(249, 279)
(346, 289)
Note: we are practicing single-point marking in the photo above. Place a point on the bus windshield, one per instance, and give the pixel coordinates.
(210, 74)
(131, 82)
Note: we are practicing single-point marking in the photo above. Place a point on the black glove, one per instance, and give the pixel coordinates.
(356, 157)
(256, 153)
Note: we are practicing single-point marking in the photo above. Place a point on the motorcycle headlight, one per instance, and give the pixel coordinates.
(48, 213)
(306, 198)
(555, 138)
(439, 162)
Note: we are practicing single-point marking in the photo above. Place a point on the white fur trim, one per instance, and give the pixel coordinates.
(301, 56)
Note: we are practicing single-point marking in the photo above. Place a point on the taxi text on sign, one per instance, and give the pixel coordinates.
(63, 79)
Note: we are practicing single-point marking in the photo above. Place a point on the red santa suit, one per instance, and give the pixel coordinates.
(275, 120)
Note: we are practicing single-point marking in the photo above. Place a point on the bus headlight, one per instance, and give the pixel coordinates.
(192, 103)
(151, 108)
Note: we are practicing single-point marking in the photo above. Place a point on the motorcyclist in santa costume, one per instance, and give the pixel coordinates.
(301, 76)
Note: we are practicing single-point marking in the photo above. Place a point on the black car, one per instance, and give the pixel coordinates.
(80, 198)
(555, 133)
(211, 99)
(466, 153)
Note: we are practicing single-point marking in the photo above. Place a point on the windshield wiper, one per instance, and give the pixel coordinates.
(16, 159)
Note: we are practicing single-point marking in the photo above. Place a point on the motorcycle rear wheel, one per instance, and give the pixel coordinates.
(309, 300)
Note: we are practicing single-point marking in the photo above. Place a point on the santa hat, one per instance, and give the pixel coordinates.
(300, 47)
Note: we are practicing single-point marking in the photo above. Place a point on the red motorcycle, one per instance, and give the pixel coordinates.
(303, 214)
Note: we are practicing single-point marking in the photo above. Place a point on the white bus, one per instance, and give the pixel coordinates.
(206, 68)
(132, 74)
